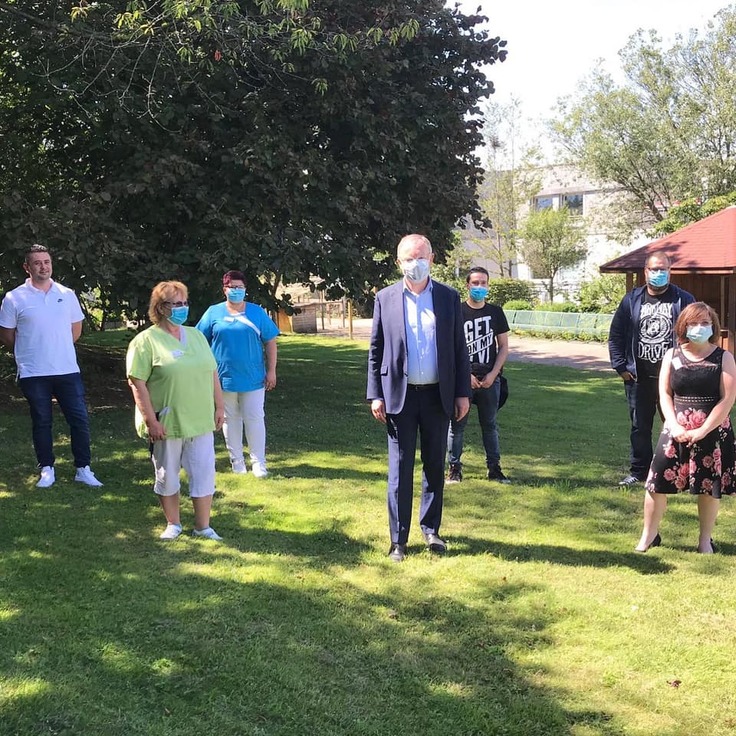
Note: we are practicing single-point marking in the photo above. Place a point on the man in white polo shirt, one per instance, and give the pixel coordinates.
(40, 321)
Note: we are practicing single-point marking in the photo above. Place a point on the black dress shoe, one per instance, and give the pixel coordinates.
(435, 544)
(654, 543)
(397, 552)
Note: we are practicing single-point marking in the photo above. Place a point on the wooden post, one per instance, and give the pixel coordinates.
(350, 318)
(731, 322)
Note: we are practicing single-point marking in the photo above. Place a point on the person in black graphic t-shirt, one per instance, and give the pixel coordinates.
(641, 333)
(486, 334)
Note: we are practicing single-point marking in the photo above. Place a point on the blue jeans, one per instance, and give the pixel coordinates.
(68, 390)
(643, 399)
(486, 399)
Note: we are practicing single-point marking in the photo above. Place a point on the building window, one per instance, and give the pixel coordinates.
(543, 203)
(574, 203)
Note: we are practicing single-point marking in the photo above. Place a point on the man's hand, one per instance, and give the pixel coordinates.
(474, 382)
(626, 376)
(462, 407)
(378, 409)
(488, 380)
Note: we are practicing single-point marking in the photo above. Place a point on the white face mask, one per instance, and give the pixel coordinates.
(415, 269)
(699, 333)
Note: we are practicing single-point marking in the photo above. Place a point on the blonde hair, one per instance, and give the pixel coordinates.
(164, 291)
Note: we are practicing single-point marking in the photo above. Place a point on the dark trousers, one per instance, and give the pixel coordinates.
(486, 399)
(643, 398)
(422, 415)
(68, 390)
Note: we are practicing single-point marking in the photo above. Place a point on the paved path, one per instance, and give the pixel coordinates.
(568, 353)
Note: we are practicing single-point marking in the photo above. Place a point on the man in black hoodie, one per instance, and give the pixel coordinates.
(641, 332)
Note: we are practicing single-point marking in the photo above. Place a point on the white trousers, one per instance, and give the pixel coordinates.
(245, 410)
(195, 454)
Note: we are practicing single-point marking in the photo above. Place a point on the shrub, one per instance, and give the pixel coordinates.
(446, 275)
(503, 290)
(602, 294)
(557, 307)
(518, 304)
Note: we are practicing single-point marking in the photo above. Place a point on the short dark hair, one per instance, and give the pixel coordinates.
(658, 254)
(35, 248)
(476, 269)
(233, 276)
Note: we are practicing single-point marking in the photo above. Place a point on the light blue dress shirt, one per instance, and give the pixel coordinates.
(421, 336)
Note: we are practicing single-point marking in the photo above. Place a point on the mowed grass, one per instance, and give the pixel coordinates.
(541, 619)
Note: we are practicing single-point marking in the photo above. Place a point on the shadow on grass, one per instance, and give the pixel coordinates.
(648, 565)
(106, 630)
(140, 638)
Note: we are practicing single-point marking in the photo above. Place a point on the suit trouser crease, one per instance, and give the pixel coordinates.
(486, 399)
(423, 415)
(68, 390)
(643, 399)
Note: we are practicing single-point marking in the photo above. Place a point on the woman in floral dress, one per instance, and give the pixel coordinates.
(696, 451)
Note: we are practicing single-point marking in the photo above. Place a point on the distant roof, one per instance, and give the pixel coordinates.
(705, 246)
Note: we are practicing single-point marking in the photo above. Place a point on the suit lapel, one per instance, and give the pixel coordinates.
(396, 309)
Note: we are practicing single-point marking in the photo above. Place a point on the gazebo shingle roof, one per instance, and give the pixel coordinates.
(706, 246)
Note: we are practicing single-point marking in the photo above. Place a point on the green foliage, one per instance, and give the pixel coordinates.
(457, 263)
(298, 624)
(446, 275)
(187, 138)
(512, 179)
(552, 240)
(517, 304)
(667, 133)
(503, 290)
(603, 294)
(557, 307)
(691, 210)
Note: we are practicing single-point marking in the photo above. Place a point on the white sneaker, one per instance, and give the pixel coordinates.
(86, 476)
(239, 467)
(259, 470)
(48, 476)
(172, 531)
(208, 533)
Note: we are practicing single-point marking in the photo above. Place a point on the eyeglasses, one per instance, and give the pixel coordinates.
(177, 304)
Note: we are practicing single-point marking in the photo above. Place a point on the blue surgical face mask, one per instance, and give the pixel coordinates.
(236, 295)
(478, 293)
(178, 315)
(699, 333)
(658, 278)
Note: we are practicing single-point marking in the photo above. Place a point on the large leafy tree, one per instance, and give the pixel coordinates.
(144, 141)
(669, 131)
(691, 210)
(552, 240)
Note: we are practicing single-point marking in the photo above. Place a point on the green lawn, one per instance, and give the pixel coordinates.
(541, 619)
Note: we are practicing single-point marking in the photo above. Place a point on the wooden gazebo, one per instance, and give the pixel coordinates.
(703, 258)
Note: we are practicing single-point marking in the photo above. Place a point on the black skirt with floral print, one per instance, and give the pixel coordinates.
(709, 466)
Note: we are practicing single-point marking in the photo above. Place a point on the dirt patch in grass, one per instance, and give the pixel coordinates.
(103, 372)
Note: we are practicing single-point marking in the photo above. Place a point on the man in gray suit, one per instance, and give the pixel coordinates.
(418, 378)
